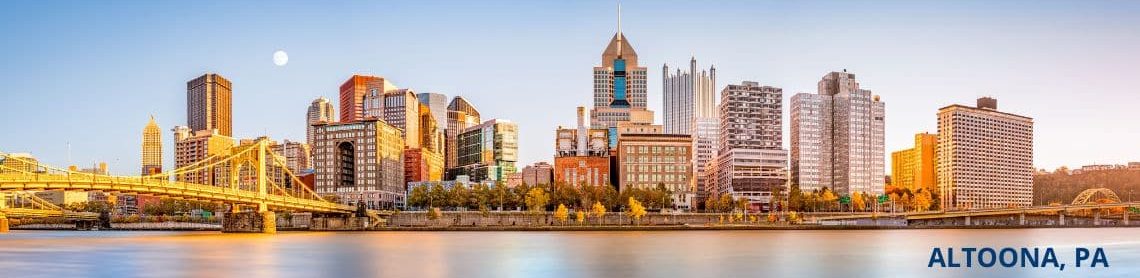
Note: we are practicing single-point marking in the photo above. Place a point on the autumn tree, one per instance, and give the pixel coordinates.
(561, 213)
(858, 201)
(636, 210)
(580, 217)
(536, 199)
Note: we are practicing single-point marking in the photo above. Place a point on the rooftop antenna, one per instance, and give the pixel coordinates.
(619, 29)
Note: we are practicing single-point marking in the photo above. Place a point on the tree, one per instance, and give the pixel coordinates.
(536, 199)
(828, 198)
(437, 196)
(725, 203)
(580, 216)
(561, 213)
(499, 195)
(858, 202)
(922, 201)
(567, 195)
(776, 202)
(599, 210)
(795, 198)
(418, 197)
(636, 210)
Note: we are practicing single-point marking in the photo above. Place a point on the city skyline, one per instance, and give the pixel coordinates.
(267, 98)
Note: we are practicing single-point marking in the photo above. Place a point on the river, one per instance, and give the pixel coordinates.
(798, 253)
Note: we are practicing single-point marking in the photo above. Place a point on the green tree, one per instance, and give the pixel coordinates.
(418, 197)
(795, 198)
(437, 196)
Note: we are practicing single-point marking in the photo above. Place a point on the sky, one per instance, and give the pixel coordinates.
(87, 74)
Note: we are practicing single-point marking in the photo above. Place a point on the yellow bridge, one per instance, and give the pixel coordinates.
(247, 175)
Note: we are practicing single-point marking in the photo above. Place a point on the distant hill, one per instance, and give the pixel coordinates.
(1062, 187)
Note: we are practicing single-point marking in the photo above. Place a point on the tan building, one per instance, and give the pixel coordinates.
(985, 157)
(360, 162)
(20, 163)
(151, 148)
(648, 160)
(209, 104)
(320, 111)
(914, 168)
(191, 147)
(541, 173)
(398, 108)
(298, 156)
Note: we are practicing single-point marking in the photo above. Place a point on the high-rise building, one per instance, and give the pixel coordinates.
(402, 110)
(352, 94)
(690, 109)
(837, 138)
(488, 151)
(541, 173)
(426, 162)
(914, 168)
(191, 147)
(460, 115)
(320, 111)
(208, 104)
(151, 148)
(985, 157)
(619, 87)
(688, 96)
(297, 155)
(437, 103)
(582, 154)
(360, 162)
(646, 160)
(23, 163)
(751, 160)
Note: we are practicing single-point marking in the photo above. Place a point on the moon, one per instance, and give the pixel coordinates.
(280, 58)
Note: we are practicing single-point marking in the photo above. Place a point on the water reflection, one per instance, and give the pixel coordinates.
(871, 253)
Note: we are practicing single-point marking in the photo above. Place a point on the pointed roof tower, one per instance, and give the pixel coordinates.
(619, 47)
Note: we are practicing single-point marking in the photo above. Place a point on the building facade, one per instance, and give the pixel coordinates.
(151, 148)
(582, 154)
(360, 162)
(297, 155)
(353, 91)
(646, 160)
(460, 115)
(985, 157)
(488, 151)
(837, 138)
(209, 104)
(191, 147)
(540, 173)
(320, 111)
(751, 161)
(688, 97)
(914, 168)
(437, 104)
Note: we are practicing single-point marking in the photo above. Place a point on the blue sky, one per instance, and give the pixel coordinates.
(89, 73)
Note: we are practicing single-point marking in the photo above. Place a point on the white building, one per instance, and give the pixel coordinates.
(985, 157)
(320, 111)
(837, 138)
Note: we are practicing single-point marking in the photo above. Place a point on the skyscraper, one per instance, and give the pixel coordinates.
(985, 157)
(619, 87)
(837, 137)
(690, 109)
(688, 97)
(208, 104)
(320, 111)
(352, 94)
(151, 148)
(460, 115)
(751, 161)
(437, 103)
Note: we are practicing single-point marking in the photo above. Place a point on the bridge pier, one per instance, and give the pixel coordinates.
(1096, 218)
(268, 222)
(1061, 218)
